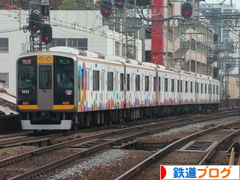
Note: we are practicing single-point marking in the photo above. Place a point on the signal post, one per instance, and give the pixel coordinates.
(39, 26)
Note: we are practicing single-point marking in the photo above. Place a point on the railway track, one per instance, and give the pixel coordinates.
(201, 150)
(89, 145)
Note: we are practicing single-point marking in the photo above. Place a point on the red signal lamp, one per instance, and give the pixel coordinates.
(106, 12)
(186, 12)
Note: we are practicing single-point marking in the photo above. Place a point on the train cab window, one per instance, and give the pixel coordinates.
(137, 87)
(128, 82)
(95, 80)
(146, 83)
(166, 84)
(26, 76)
(186, 86)
(172, 85)
(45, 77)
(110, 81)
(121, 82)
(64, 69)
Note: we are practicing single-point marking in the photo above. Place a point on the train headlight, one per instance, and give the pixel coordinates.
(49, 58)
(41, 58)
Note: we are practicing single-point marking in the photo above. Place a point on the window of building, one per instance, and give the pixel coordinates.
(73, 42)
(110, 81)
(117, 48)
(3, 45)
(95, 80)
(5, 77)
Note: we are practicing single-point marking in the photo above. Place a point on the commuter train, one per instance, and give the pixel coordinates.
(65, 88)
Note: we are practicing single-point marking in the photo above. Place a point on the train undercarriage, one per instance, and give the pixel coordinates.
(51, 120)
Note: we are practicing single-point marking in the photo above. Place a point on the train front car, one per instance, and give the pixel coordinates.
(47, 95)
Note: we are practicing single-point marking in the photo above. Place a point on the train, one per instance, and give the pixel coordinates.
(65, 88)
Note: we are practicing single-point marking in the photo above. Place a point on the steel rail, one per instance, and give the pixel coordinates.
(23, 156)
(142, 165)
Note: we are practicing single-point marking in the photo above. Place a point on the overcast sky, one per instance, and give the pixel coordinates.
(237, 2)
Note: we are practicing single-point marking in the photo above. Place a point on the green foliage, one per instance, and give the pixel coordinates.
(79, 5)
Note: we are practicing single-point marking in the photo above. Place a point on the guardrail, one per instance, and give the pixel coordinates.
(10, 123)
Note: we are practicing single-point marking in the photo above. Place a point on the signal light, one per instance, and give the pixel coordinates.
(186, 10)
(106, 8)
(119, 3)
(46, 33)
(34, 23)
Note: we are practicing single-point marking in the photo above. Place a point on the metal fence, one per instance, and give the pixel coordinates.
(9, 124)
(225, 103)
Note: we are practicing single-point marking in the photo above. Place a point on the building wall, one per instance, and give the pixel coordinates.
(65, 24)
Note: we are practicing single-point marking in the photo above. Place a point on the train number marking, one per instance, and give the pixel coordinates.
(25, 91)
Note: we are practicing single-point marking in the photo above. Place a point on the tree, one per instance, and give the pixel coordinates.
(79, 5)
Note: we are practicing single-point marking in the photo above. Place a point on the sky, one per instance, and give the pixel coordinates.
(237, 2)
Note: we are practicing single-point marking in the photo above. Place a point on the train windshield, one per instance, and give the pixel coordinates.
(26, 75)
(64, 69)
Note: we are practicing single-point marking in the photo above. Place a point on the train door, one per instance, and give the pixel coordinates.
(45, 85)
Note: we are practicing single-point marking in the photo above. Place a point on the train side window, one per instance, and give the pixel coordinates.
(45, 77)
(110, 81)
(205, 88)
(116, 81)
(178, 86)
(128, 82)
(217, 90)
(132, 82)
(213, 89)
(154, 84)
(186, 86)
(159, 83)
(121, 82)
(146, 83)
(102, 80)
(137, 83)
(191, 87)
(201, 88)
(95, 80)
(181, 86)
(166, 84)
(172, 85)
